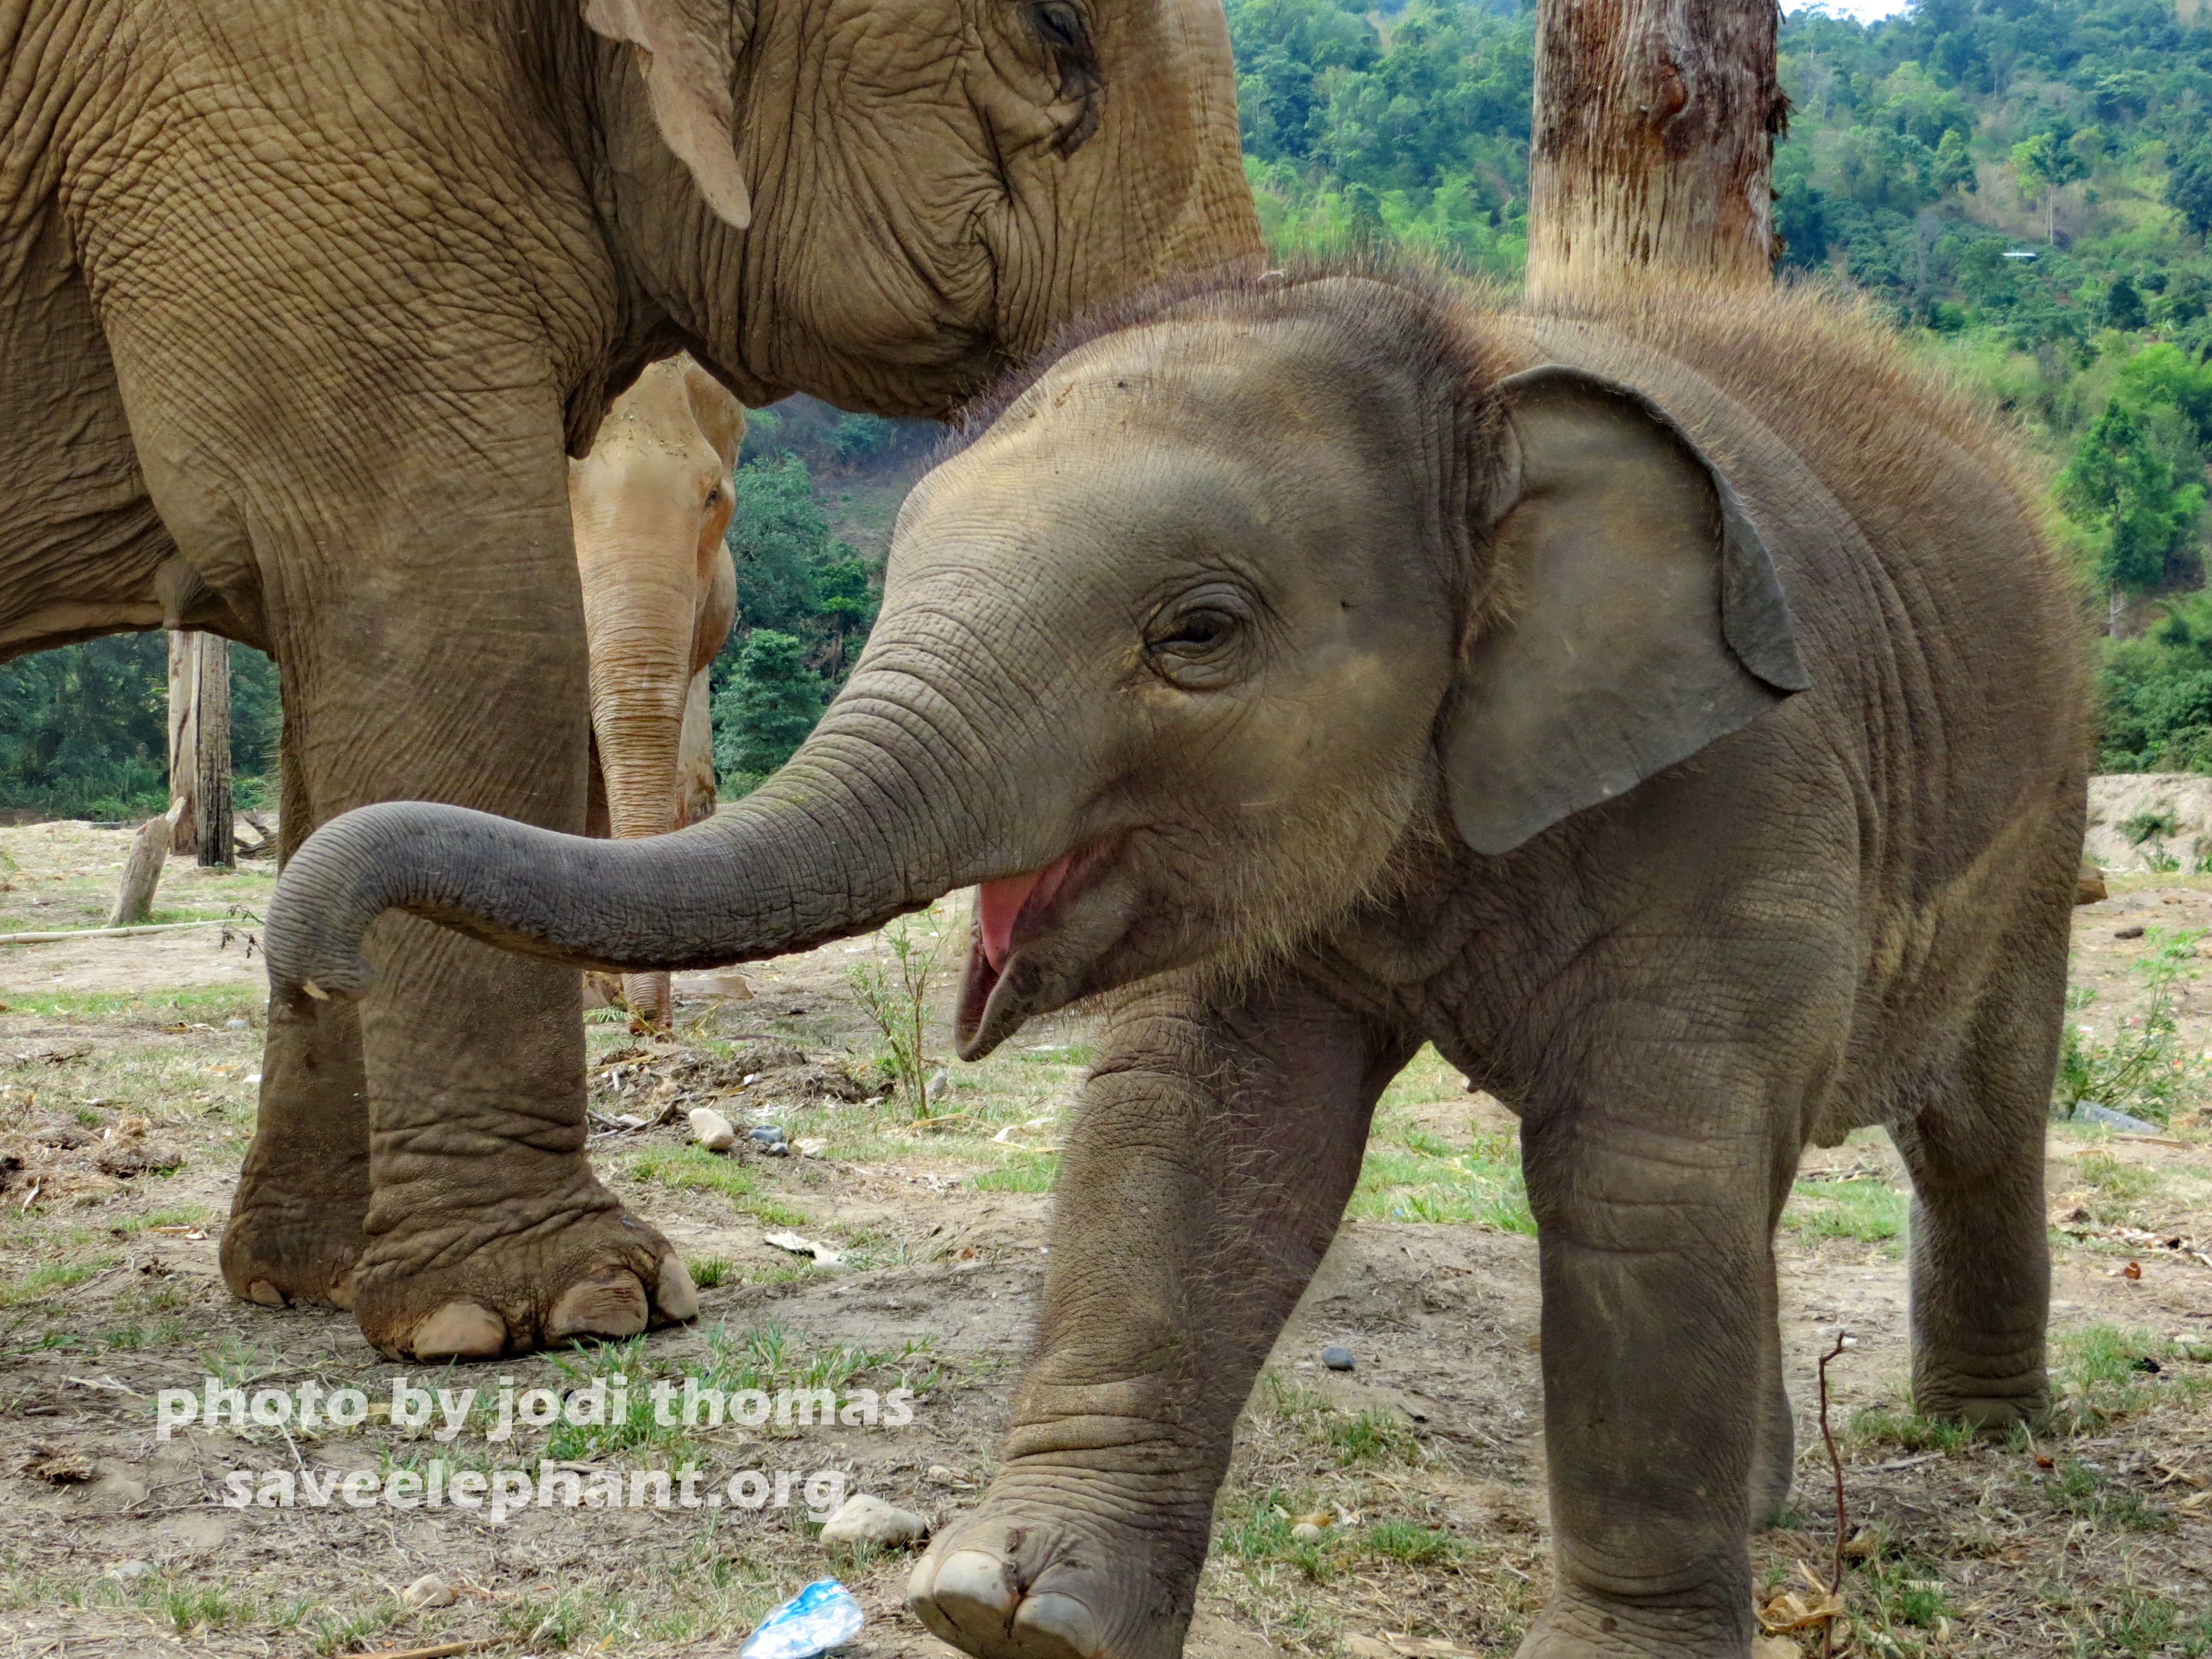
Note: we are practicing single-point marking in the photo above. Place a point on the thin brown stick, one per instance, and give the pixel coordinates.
(1835, 1467)
(443, 1650)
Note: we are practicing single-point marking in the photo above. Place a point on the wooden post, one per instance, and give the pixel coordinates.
(141, 871)
(199, 745)
(1653, 141)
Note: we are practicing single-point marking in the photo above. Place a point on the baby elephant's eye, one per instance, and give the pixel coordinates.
(1197, 630)
(1196, 646)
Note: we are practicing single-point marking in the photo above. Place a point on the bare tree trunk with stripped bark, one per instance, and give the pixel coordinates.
(1654, 142)
(199, 745)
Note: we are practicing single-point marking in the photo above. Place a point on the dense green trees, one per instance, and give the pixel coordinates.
(806, 601)
(84, 733)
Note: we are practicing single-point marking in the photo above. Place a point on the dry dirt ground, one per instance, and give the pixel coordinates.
(126, 1097)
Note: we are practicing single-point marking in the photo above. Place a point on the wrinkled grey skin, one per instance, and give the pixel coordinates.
(1699, 789)
(304, 304)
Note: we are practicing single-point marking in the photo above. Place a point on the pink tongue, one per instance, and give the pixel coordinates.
(999, 904)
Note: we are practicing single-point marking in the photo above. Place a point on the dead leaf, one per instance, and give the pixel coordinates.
(2133, 1270)
(1775, 1647)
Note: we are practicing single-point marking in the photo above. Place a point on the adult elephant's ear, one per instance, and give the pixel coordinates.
(687, 50)
(1644, 621)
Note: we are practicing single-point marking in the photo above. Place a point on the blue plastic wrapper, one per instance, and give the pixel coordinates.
(821, 1616)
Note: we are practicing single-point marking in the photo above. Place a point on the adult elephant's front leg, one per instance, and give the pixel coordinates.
(1206, 1172)
(431, 642)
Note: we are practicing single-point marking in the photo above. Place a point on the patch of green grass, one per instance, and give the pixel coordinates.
(763, 1357)
(2102, 1372)
(193, 1609)
(205, 1004)
(2123, 1619)
(48, 1278)
(2074, 1488)
(1030, 1172)
(1415, 1177)
(1869, 1210)
(2114, 1189)
(693, 1169)
(1908, 1431)
(1411, 1543)
(1370, 1436)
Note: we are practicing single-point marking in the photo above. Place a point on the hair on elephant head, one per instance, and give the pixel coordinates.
(1296, 578)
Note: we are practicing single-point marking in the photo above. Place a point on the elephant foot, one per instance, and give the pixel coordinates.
(1989, 1414)
(1023, 1577)
(281, 1249)
(552, 1280)
(1575, 1625)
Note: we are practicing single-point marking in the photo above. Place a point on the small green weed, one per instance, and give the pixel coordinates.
(1908, 1431)
(2143, 1070)
(708, 1271)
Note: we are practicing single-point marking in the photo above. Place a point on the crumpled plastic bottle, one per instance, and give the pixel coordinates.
(821, 1616)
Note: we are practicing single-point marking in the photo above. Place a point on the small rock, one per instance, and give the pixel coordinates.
(939, 1082)
(768, 1134)
(1338, 1358)
(866, 1519)
(1306, 1533)
(948, 1476)
(428, 1591)
(712, 1130)
(2089, 886)
(2127, 932)
(234, 1025)
(811, 1145)
(127, 1570)
(628, 1121)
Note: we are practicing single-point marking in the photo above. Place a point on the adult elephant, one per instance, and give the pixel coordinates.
(650, 504)
(1664, 703)
(301, 306)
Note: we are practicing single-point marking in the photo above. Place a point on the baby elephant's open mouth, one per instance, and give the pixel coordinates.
(1004, 984)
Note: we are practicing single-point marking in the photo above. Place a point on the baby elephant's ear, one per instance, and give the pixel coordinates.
(687, 51)
(1646, 619)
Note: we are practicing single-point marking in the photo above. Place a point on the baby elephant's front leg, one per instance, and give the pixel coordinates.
(1655, 1266)
(1206, 1172)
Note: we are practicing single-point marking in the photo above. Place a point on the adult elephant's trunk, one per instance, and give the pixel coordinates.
(864, 824)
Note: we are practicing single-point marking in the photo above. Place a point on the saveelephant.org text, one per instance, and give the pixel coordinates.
(501, 1493)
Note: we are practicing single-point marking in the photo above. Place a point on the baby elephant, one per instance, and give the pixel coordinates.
(1666, 706)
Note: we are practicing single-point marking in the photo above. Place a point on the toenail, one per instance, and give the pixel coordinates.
(677, 1297)
(460, 1330)
(265, 1293)
(610, 1303)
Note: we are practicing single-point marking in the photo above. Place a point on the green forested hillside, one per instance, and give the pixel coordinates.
(2024, 186)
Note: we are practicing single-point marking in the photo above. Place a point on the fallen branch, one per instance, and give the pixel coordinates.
(443, 1650)
(58, 935)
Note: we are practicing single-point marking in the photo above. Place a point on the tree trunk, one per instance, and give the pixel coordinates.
(1654, 142)
(141, 871)
(199, 746)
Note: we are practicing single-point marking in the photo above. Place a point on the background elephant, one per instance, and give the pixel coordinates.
(650, 504)
(1665, 706)
(303, 307)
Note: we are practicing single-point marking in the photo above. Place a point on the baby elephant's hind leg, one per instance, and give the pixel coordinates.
(1981, 1261)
